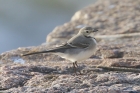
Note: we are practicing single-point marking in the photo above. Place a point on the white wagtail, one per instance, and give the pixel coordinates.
(80, 47)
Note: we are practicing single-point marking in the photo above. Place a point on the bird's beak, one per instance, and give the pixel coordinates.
(94, 30)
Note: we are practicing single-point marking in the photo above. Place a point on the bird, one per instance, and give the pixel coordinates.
(79, 47)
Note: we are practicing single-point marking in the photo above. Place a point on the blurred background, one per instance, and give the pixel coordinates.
(27, 22)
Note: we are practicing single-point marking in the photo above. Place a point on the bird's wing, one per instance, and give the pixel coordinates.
(70, 45)
(61, 48)
(79, 42)
(79, 45)
(73, 43)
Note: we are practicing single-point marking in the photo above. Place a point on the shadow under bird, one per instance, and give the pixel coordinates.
(78, 48)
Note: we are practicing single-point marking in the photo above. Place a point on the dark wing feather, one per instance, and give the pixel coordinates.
(73, 43)
(61, 48)
(80, 42)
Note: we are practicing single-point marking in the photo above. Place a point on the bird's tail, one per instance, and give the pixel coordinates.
(48, 51)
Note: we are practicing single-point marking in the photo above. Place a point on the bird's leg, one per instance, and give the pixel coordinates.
(74, 67)
(77, 66)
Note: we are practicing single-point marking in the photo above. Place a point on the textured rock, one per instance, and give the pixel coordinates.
(32, 81)
(109, 16)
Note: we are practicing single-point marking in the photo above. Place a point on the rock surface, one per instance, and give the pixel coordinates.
(46, 73)
(109, 16)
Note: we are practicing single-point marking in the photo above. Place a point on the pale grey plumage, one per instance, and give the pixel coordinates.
(79, 47)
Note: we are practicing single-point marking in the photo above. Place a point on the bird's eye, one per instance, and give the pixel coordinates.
(87, 31)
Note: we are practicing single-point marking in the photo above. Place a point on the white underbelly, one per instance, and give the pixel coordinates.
(79, 56)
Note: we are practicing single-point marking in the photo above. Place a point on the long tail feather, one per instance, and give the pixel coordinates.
(37, 53)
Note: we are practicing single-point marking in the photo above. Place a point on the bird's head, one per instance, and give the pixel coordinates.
(87, 31)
